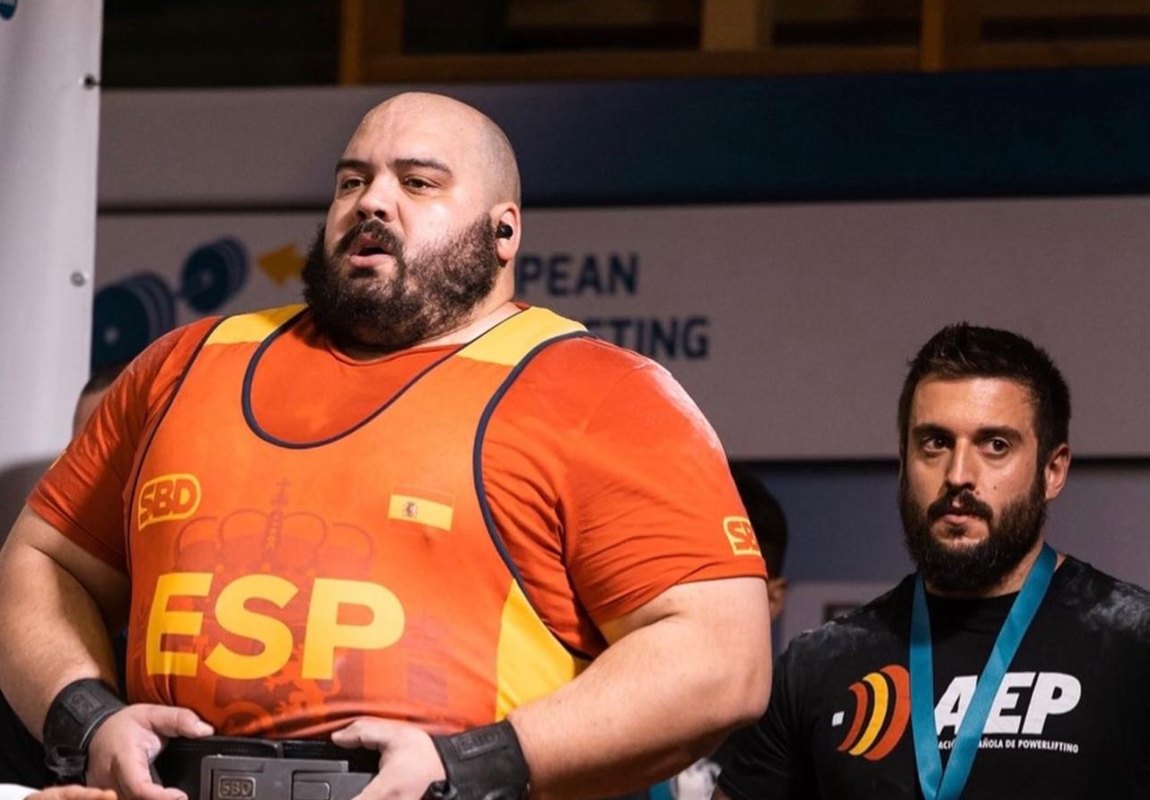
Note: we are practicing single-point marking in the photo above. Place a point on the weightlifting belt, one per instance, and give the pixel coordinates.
(230, 768)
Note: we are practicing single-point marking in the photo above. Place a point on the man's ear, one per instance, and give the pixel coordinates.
(507, 221)
(1056, 470)
(776, 596)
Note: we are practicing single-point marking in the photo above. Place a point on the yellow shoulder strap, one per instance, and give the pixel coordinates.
(509, 341)
(253, 327)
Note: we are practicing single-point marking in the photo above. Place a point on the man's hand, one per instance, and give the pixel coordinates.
(408, 761)
(72, 792)
(123, 748)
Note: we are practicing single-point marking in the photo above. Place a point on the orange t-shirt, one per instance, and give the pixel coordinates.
(603, 479)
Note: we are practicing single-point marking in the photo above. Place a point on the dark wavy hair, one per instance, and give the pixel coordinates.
(766, 515)
(968, 351)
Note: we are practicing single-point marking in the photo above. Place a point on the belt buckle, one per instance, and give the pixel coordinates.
(246, 778)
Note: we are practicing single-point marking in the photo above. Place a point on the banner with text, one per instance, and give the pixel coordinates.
(791, 326)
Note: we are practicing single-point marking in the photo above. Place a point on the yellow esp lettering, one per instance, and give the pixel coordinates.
(234, 616)
(325, 633)
(164, 622)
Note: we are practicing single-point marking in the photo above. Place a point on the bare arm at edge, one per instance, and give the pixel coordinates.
(678, 675)
(57, 603)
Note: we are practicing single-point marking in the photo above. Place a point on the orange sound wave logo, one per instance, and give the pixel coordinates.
(882, 708)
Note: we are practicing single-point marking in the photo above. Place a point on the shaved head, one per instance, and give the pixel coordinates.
(422, 225)
(491, 145)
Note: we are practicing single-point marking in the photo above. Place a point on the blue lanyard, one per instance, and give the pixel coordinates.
(937, 784)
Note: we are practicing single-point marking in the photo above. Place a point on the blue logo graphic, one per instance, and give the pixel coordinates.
(8, 8)
(213, 273)
(130, 314)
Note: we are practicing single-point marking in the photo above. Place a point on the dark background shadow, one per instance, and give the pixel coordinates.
(16, 481)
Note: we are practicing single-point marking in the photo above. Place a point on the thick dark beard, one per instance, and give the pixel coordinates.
(429, 294)
(983, 566)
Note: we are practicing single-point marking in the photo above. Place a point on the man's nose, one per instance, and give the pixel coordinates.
(962, 468)
(377, 200)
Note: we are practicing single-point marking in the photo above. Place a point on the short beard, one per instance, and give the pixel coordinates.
(984, 565)
(427, 296)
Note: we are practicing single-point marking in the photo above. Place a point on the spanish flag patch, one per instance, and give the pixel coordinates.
(423, 507)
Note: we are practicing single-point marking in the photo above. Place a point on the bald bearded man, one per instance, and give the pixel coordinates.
(411, 518)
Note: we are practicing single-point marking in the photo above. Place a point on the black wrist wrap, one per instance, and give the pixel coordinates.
(77, 711)
(481, 764)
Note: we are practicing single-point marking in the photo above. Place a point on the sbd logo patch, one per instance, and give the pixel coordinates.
(168, 497)
(741, 536)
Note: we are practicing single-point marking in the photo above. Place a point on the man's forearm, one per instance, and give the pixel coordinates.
(661, 696)
(52, 628)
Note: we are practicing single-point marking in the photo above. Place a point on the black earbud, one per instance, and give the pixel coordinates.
(503, 231)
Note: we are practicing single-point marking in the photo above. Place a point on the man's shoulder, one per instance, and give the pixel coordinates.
(190, 333)
(575, 350)
(245, 327)
(1103, 601)
(596, 367)
(170, 352)
(875, 624)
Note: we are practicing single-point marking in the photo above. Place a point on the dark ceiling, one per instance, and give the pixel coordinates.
(217, 43)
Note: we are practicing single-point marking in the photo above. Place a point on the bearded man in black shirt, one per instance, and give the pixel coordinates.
(1001, 669)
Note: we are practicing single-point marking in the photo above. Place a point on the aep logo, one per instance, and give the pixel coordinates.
(8, 8)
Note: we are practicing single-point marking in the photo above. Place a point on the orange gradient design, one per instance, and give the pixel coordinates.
(881, 714)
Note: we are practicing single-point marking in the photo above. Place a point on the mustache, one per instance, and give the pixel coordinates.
(376, 230)
(959, 501)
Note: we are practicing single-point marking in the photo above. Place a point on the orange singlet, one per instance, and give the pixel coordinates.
(345, 576)
(437, 535)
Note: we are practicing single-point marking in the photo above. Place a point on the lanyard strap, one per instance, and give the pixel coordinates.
(936, 783)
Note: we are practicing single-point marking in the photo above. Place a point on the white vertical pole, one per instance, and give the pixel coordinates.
(49, 120)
